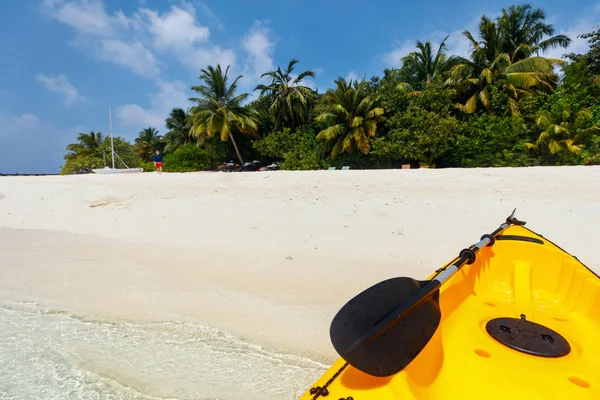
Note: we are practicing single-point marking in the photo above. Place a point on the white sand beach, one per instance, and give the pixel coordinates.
(261, 260)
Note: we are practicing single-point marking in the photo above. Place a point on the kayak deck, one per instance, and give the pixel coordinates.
(522, 275)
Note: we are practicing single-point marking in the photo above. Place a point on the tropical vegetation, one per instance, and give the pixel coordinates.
(506, 104)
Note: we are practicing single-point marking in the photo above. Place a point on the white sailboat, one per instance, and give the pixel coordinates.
(113, 170)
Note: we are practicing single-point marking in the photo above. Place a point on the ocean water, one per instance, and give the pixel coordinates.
(49, 354)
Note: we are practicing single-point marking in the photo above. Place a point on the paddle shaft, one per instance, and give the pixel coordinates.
(428, 291)
(468, 254)
(451, 270)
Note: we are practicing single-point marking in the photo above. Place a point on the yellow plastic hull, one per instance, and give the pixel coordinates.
(462, 361)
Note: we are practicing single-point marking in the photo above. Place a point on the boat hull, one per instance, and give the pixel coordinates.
(523, 275)
(117, 170)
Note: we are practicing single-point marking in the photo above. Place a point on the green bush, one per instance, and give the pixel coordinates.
(79, 163)
(491, 141)
(591, 152)
(188, 158)
(418, 135)
(274, 145)
(148, 166)
(299, 150)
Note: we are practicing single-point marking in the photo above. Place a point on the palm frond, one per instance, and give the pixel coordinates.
(331, 132)
(471, 104)
(534, 64)
(513, 106)
(484, 97)
(522, 80)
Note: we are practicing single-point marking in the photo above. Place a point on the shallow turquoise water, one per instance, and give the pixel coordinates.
(48, 354)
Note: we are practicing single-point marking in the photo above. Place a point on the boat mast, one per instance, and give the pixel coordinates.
(112, 146)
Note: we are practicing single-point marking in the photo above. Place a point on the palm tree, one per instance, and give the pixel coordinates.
(517, 80)
(522, 33)
(87, 144)
(351, 116)
(147, 142)
(563, 130)
(426, 65)
(219, 110)
(496, 59)
(488, 48)
(290, 101)
(179, 126)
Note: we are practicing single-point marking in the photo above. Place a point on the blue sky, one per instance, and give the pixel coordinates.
(64, 62)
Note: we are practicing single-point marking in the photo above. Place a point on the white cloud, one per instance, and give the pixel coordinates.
(259, 46)
(456, 43)
(86, 16)
(61, 85)
(168, 96)
(132, 115)
(351, 76)
(201, 58)
(578, 45)
(108, 37)
(394, 57)
(134, 41)
(146, 41)
(178, 33)
(176, 29)
(132, 55)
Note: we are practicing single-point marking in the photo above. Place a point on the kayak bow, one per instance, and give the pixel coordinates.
(519, 321)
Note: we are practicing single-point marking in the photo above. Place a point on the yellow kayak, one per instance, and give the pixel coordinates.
(513, 317)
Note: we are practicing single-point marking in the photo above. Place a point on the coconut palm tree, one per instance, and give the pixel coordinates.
(351, 116)
(519, 33)
(563, 130)
(87, 144)
(290, 101)
(497, 60)
(522, 30)
(147, 142)
(219, 109)
(179, 126)
(426, 65)
(488, 47)
(517, 80)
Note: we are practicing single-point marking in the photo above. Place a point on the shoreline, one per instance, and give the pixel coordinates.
(15, 174)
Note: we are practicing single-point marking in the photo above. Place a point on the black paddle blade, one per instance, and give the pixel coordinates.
(394, 346)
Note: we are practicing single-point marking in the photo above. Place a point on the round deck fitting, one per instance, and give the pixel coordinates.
(528, 337)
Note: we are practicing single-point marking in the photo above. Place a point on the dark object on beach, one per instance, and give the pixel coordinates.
(229, 167)
(270, 167)
(250, 166)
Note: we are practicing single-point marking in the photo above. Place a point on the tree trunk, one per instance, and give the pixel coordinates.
(293, 121)
(236, 148)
